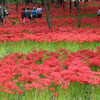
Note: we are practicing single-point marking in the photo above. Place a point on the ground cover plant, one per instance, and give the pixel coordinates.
(59, 64)
(49, 70)
(16, 30)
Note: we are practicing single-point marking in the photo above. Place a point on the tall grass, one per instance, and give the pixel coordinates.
(26, 46)
(75, 91)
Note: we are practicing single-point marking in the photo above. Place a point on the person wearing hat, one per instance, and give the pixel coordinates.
(34, 12)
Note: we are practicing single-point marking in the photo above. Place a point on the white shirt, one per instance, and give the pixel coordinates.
(99, 12)
(39, 10)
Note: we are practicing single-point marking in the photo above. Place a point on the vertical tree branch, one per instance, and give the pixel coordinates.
(2, 13)
(52, 1)
(24, 3)
(70, 5)
(48, 16)
(47, 5)
(34, 2)
(3, 2)
(42, 1)
(63, 4)
(79, 17)
(85, 5)
(16, 5)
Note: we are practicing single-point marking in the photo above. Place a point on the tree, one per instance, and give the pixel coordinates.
(24, 1)
(47, 5)
(3, 2)
(52, 1)
(28, 1)
(2, 13)
(60, 1)
(34, 2)
(42, 2)
(70, 3)
(48, 16)
(16, 5)
(31, 1)
(63, 4)
(79, 17)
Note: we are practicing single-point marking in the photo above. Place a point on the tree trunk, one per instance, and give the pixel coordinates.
(52, 1)
(47, 5)
(3, 2)
(70, 3)
(27, 1)
(31, 1)
(79, 17)
(85, 5)
(63, 4)
(57, 2)
(42, 2)
(16, 5)
(2, 13)
(60, 1)
(34, 2)
(24, 3)
(48, 16)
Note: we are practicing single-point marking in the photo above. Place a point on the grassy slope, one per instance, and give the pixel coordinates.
(12, 47)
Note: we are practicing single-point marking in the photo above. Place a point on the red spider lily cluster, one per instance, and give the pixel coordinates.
(42, 34)
(38, 29)
(19, 72)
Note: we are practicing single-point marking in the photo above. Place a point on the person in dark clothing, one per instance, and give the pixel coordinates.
(28, 13)
(5, 13)
(23, 15)
(75, 3)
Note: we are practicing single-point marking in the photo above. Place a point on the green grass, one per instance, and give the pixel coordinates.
(76, 91)
(26, 46)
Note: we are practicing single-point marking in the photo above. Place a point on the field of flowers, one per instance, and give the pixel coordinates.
(59, 64)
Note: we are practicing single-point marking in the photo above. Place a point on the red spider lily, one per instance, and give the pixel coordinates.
(51, 89)
(22, 69)
(28, 98)
(20, 91)
(60, 32)
(64, 91)
(55, 94)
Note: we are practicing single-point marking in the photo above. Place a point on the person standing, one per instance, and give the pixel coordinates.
(6, 12)
(39, 12)
(75, 3)
(28, 13)
(0, 12)
(98, 14)
(34, 13)
(23, 15)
